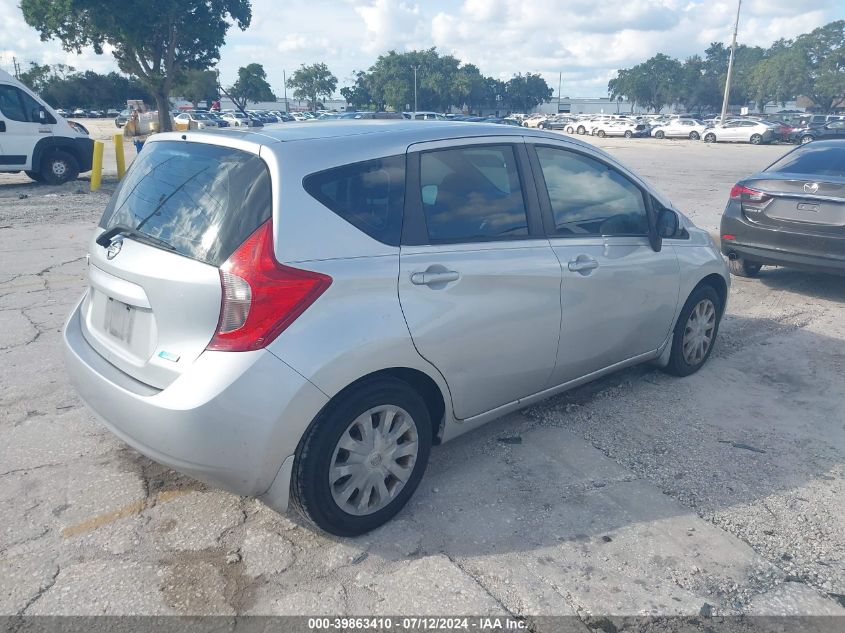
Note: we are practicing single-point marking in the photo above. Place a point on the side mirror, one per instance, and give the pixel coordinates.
(667, 223)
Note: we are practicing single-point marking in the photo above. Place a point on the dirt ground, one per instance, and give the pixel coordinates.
(640, 494)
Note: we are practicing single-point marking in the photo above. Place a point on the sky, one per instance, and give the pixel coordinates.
(585, 40)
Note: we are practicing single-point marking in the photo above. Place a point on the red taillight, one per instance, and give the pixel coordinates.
(261, 297)
(745, 194)
(728, 237)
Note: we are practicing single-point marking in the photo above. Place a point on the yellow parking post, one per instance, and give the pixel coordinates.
(118, 152)
(97, 166)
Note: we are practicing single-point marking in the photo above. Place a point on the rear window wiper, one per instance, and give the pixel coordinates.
(105, 238)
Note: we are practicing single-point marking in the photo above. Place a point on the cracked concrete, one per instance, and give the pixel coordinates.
(637, 495)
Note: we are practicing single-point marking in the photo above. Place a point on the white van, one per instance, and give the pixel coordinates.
(34, 138)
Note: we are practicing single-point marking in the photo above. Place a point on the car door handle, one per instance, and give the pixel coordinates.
(582, 263)
(431, 278)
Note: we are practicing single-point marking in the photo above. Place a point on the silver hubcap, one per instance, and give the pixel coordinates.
(59, 168)
(698, 334)
(373, 460)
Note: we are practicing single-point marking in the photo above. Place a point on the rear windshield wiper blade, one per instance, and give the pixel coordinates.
(105, 238)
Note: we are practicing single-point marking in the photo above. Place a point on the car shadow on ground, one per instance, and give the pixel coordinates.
(639, 447)
(819, 285)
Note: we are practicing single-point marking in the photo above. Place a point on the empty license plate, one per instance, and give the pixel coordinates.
(119, 317)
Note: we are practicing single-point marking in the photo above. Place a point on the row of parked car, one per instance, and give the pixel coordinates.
(755, 130)
(85, 113)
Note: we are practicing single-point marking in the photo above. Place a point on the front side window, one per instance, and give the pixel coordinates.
(589, 198)
(472, 194)
(11, 104)
(369, 195)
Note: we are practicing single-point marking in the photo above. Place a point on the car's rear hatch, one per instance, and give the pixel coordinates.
(154, 295)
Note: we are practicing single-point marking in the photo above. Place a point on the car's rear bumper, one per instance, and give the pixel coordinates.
(777, 247)
(223, 421)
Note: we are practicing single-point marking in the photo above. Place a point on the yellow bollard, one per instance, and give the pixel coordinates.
(118, 152)
(97, 166)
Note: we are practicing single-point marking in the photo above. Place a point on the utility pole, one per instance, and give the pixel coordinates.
(415, 88)
(559, 79)
(730, 65)
(16, 68)
(285, 83)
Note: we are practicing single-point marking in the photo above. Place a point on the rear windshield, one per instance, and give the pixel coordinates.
(813, 159)
(203, 200)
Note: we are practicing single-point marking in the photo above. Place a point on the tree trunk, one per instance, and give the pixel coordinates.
(163, 105)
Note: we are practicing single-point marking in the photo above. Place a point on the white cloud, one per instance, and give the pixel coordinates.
(584, 39)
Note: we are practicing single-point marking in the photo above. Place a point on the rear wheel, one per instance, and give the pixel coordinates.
(363, 457)
(35, 175)
(807, 138)
(660, 134)
(59, 167)
(710, 137)
(569, 129)
(694, 136)
(581, 129)
(756, 139)
(741, 267)
(601, 134)
(695, 332)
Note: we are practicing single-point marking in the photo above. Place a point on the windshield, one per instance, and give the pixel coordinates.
(203, 200)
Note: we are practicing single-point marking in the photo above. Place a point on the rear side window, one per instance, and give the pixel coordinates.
(369, 195)
(203, 200)
(813, 159)
(472, 194)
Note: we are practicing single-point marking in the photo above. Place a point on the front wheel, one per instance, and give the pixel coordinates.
(569, 129)
(34, 175)
(695, 332)
(807, 138)
(756, 139)
(660, 134)
(629, 134)
(59, 167)
(581, 129)
(710, 138)
(694, 136)
(601, 134)
(363, 457)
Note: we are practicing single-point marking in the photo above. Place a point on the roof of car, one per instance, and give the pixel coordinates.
(396, 129)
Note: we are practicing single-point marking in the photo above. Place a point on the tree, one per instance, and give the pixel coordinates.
(36, 77)
(823, 54)
(525, 92)
(312, 82)
(358, 94)
(654, 83)
(197, 85)
(251, 85)
(154, 40)
(779, 78)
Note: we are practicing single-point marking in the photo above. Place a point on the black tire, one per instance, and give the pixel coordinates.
(756, 139)
(581, 129)
(710, 137)
(601, 134)
(741, 267)
(311, 493)
(629, 134)
(807, 138)
(678, 365)
(660, 134)
(569, 129)
(35, 175)
(694, 136)
(59, 167)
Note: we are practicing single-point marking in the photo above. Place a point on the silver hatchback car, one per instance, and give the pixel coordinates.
(300, 313)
